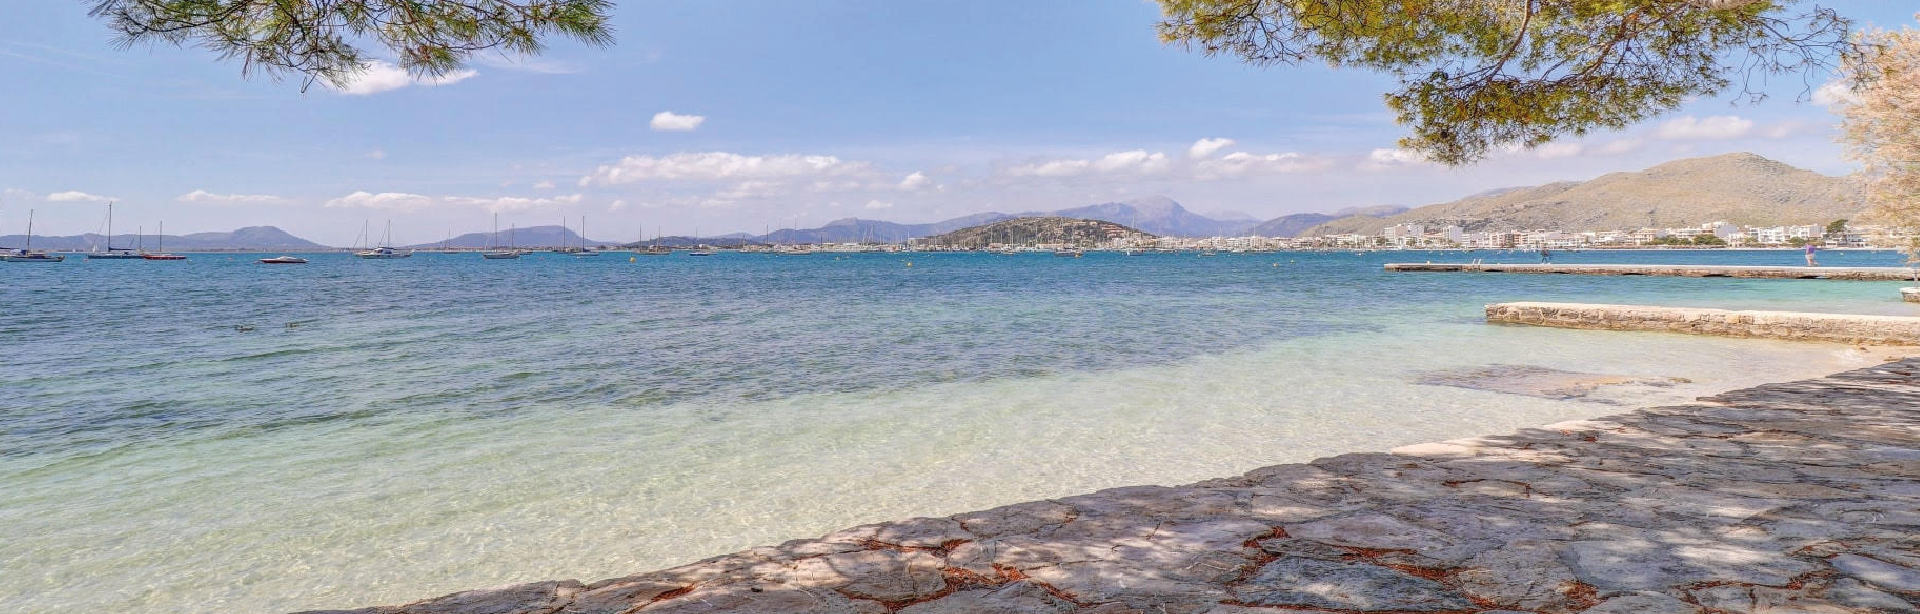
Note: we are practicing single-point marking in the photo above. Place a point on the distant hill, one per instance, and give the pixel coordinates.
(1290, 225)
(1293, 225)
(1740, 188)
(1158, 215)
(855, 230)
(251, 237)
(1029, 230)
(531, 236)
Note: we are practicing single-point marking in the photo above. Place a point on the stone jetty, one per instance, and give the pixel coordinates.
(1667, 270)
(1799, 497)
(1789, 325)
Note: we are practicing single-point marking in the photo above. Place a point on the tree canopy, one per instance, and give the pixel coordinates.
(1476, 75)
(1881, 123)
(324, 39)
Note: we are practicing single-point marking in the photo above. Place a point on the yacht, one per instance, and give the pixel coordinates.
(283, 260)
(584, 251)
(160, 253)
(113, 253)
(496, 252)
(26, 254)
(383, 252)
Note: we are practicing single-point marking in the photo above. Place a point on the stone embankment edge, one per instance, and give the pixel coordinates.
(1667, 270)
(1788, 325)
(1791, 497)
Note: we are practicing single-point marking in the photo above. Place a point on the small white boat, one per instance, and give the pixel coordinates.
(1067, 253)
(283, 260)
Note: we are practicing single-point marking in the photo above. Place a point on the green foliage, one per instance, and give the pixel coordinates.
(1476, 75)
(1797, 241)
(1837, 227)
(1708, 240)
(322, 39)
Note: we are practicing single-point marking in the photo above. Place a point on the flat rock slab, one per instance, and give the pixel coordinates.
(1788, 325)
(1791, 497)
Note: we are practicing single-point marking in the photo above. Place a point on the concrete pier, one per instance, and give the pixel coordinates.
(1794, 326)
(1911, 295)
(1667, 270)
(1799, 497)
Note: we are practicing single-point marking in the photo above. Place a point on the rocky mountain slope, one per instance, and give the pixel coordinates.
(1740, 188)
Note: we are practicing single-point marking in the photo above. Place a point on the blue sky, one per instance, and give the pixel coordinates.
(806, 112)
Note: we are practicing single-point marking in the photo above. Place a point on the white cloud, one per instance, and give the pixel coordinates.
(1395, 156)
(1834, 92)
(383, 76)
(874, 204)
(1242, 164)
(402, 201)
(1206, 147)
(377, 154)
(748, 190)
(1690, 128)
(543, 185)
(76, 196)
(720, 166)
(915, 181)
(1136, 162)
(383, 200)
(203, 196)
(670, 121)
(617, 205)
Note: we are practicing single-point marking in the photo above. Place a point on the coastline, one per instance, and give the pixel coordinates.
(1796, 494)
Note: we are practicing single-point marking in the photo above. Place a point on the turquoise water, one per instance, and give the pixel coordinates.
(215, 434)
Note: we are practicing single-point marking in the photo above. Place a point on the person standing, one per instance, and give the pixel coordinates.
(1810, 250)
(1546, 255)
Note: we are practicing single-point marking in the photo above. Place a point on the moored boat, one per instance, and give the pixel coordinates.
(113, 253)
(160, 252)
(283, 260)
(26, 254)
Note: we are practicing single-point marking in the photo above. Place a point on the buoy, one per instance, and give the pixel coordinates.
(909, 264)
(631, 259)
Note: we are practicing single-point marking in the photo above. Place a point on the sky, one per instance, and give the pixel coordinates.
(743, 115)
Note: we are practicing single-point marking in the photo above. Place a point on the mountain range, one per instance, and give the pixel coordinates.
(1739, 188)
(251, 237)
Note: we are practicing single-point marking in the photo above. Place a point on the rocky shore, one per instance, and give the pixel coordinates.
(1799, 497)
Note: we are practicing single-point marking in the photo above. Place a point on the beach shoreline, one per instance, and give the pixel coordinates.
(1794, 494)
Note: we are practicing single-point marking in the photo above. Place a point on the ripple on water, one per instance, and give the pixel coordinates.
(446, 424)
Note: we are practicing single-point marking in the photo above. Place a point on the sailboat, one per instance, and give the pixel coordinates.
(584, 251)
(494, 252)
(384, 251)
(26, 254)
(113, 253)
(160, 252)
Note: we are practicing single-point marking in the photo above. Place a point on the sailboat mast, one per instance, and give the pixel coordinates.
(29, 231)
(161, 239)
(109, 226)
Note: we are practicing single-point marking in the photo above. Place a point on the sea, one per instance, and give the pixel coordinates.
(215, 435)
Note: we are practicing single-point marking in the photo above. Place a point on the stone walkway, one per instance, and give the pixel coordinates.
(1799, 497)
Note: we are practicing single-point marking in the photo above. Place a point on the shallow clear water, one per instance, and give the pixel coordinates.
(392, 430)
